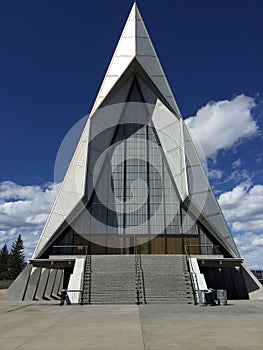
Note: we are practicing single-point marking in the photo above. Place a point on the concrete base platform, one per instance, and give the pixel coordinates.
(45, 325)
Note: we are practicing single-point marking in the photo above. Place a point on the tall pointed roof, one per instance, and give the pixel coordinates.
(135, 43)
(135, 56)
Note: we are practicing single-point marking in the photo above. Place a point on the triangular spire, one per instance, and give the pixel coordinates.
(135, 178)
(135, 43)
(135, 74)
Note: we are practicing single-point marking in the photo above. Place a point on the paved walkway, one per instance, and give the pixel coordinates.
(48, 326)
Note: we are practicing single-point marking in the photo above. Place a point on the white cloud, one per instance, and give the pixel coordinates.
(250, 246)
(240, 175)
(242, 207)
(237, 163)
(24, 209)
(220, 125)
(215, 174)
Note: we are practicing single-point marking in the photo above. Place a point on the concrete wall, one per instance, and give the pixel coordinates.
(42, 284)
(50, 284)
(17, 289)
(229, 278)
(194, 267)
(34, 278)
(57, 284)
(75, 281)
(254, 287)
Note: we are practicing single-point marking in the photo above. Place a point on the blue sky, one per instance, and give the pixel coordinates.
(54, 55)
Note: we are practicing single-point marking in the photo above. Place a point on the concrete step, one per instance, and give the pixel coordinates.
(113, 279)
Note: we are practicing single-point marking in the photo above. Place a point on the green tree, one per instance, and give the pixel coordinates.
(17, 257)
(4, 262)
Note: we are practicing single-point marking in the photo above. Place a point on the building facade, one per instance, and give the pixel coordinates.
(135, 184)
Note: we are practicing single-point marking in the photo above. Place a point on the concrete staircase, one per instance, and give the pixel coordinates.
(134, 279)
(166, 279)
(113, 279)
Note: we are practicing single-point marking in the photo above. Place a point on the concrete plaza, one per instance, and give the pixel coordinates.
(46, 326)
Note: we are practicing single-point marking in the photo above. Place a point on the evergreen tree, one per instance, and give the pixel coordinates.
(4, 260)
(17, 257)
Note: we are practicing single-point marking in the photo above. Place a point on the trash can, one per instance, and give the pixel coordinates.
(221, 297)
(201, 297)
(210, 296)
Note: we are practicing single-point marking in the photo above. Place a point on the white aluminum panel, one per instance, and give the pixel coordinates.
(107, 85)
(174, 131)
(97, 103)
(200, 200)
(191, 155)
(178, 178)
(120, 61)
(135, 41)
(144, 46)
(75, 180)
(175, 157)
(85, 134)
(40, 244)
(197, 180)
(67, 202)
(162, 120)
(187, 136)
(152, 67)
(220, 225)
(126, 46)
(55, 220)
(80, 156)
(141, 30)
(211, 204)
(128, 30)
(180, 184)
(162, 117)
(169, 139)
(100, 120)
(118, 66)
(172, 144)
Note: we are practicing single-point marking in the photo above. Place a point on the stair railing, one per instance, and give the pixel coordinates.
(193, 276)
(69, 250)
(137, 279)
(142, 279)
(201, 248)
(86, 280)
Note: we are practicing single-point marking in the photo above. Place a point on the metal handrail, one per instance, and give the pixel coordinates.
(65, 296)
(87, 270)
(81, 291)
(193, 277)
(188, 247)
(137, 279)
(78, 247)
(142, 274)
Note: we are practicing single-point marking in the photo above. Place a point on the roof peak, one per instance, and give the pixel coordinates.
(135, 43)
